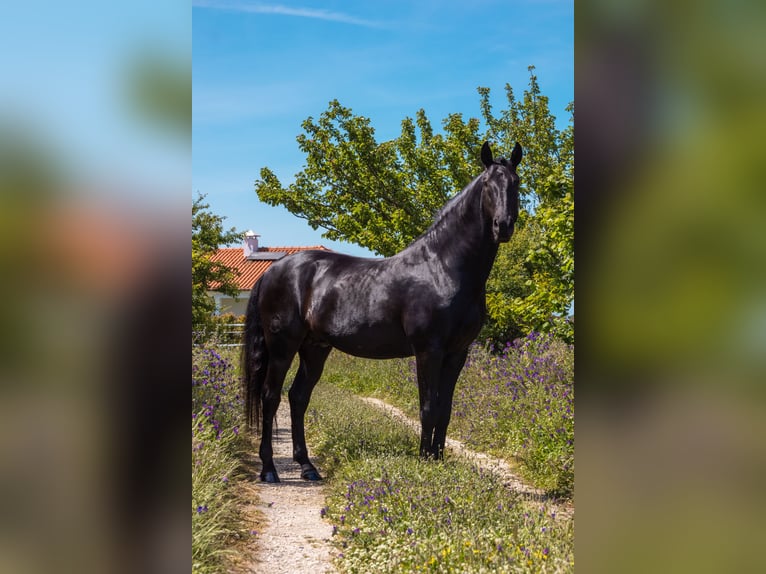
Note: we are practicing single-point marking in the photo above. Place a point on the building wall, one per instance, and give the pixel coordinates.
(225, 304)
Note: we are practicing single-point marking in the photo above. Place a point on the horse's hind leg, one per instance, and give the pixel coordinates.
(312, 362)
(271, 395)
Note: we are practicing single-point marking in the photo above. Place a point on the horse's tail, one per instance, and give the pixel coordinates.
(255, 360)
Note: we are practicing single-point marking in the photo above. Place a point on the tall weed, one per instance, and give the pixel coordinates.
(216, 416)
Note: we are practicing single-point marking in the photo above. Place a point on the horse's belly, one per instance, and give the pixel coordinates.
(375, 342)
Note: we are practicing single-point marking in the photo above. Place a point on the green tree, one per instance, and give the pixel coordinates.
(509, 283)
(379, 196)
(546, 263)
(208, 235)
(383, 195)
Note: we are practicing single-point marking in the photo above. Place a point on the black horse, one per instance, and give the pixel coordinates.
(428, 301)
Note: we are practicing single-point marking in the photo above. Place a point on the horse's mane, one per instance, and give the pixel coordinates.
(455, 209)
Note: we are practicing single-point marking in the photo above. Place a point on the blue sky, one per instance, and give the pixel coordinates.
(261, 68)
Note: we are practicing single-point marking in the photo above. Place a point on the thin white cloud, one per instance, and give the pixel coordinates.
(278, 9)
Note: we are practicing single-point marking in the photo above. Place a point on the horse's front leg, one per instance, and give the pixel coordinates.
(429, 367)
(451, 368)
(310, 369)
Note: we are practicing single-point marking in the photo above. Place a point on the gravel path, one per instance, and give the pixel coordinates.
(292, 536)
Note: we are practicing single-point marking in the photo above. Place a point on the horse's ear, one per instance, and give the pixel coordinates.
(516, 155)
(486, 155)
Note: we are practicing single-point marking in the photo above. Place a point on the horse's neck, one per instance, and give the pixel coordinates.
(465, 242)
(474, 256)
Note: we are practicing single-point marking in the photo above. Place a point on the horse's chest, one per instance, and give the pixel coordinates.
(457, 319)
(470, 317)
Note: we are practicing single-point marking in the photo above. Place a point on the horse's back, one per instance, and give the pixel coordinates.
(376, 308)
(351, 303)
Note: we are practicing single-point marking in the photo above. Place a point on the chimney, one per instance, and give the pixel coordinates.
(251, 244)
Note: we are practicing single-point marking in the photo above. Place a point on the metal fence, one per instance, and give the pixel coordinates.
(226, 334)
(230, 335)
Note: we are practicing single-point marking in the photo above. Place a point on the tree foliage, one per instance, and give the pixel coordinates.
(379, 196)
(541, 252)
(208, 234)
(510, 283)
(383, 195)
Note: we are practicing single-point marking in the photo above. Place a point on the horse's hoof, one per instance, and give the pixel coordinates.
(310, 474)
(270, 477)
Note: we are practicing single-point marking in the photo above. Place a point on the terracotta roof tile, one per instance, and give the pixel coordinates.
(251, 270)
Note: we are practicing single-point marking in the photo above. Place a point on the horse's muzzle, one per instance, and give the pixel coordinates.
(502, 230)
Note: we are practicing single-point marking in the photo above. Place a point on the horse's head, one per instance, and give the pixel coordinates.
(500, 192)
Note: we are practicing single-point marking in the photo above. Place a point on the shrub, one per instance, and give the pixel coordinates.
(520, 404)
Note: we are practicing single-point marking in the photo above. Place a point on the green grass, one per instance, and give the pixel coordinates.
(392, 379)
(343, 429)
(214, 509)
(392, 512)
(216, 442)
(518, 405)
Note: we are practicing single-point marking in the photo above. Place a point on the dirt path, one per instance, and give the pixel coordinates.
(482, 460)
(288, 533)
(291, 536)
